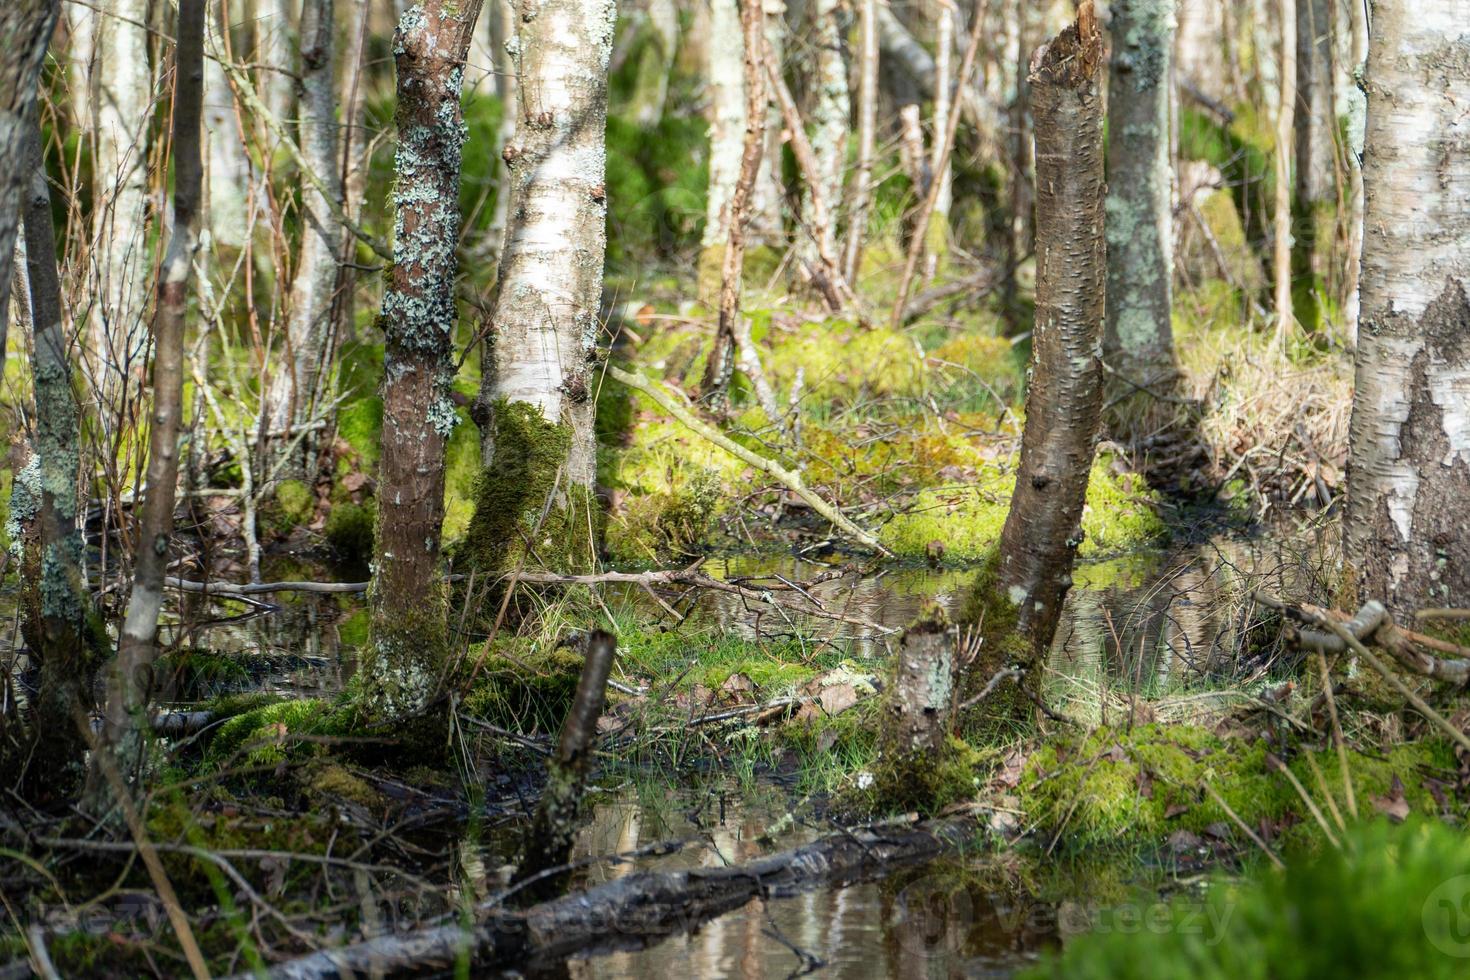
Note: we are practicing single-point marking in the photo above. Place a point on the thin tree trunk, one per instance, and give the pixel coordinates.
(721, 363)
(509, 111)
(1281, 217)
(1139, 342)
(1032, 572)
(1314, 174)
(226, 214)
(25, 31)
(57, 609)
(936, 227)
(655, 63)
(276, 37)
(409, 632)
(553, 830)
(124, 91)
(1356, 103)
(767, 198)
(725, 81)
(1406, 540)
(830, 118)
(536, 401)
(867, 128)
(125, 722)
(292, 397)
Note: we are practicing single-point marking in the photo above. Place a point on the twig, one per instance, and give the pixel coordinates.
(1342, 759)
(1272, 762)
(1235, 817)
(790, 480)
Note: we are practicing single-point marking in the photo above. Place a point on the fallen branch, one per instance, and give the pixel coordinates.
(787, 478)
(1372, 624)
(263, 588)
(631, 912)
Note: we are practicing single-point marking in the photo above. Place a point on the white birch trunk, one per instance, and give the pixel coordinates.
(1406, 539)
(726, 84)
(292, 396)
(123, 90)
(550, 285)
(830, 119)
(766, 226)
(227, 167)
(656, 63)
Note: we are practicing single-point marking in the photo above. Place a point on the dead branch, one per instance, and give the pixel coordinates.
(631, 912)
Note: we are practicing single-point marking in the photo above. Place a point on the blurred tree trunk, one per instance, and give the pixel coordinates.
(122, 104)
(125, 722)
(502, 13)
(25, 31)
(293, 398)
(655, 63)
(725, 79)
(537, 395)
(229, 168)
(275, 39)
(831, 120)
(861, 196)
(57, 615)
(408, 644)
(1022, 592)
(1139, 341)
(1406, 539)
(1355, 112)
(767, 199)
(1281, 216)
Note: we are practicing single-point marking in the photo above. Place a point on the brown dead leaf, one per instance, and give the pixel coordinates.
(1393, 805)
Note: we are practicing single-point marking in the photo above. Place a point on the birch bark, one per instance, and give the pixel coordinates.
(1406, 540)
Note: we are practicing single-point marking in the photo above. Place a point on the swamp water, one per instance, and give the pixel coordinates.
(1149, 623)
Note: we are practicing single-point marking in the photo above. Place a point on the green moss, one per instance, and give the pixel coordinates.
(353, 631)
(291, 506)
(1130, 787)
(1120, 515)
(525, 513)
(349, 530)
(330, 782)
(263, 734)
(522, 689)
(925, 782)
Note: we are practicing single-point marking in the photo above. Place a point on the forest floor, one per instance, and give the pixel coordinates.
(1185, 737)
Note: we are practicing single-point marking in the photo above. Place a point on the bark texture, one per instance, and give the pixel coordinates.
(25, 31)
(1139, 341)
(861, 196)
(725, 80)
(407, 645)
(1038, 544)
(536, 402)
(292, 397)
(58, 623)
(125, 723)
(1406, 539)
(830, 118)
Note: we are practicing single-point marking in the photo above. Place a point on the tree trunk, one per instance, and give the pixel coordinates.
(830, 118)
(726, 84)
(58, 620)
(1355, 105)
(292, 398)
(1139, 342)
(502, 12)
(861, 195)
(767, 198)
(536, 401)
(124, 92)
(408, 644)
(655, 63)
(1314, 176)
(1022, 592)
(229, 177)
(1281, 216)
(1406, 541)
(125, 723)
(721, 364)
(25, 31)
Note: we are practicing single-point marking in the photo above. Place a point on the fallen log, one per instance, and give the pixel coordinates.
(631, 912)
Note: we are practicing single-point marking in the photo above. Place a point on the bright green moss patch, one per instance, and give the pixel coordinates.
(522, 689)
(967, 520)
(1139, 786)
(292, 506)
(262, 734)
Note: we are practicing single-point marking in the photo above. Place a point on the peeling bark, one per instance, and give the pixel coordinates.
(1038, 544)
(1406, 540)
(408, 639)
(125, 724)
(25, 31)
(537, 398)
(1139, 341)
(1409, 436)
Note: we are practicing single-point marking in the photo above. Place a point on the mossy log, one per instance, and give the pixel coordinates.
(631, 912)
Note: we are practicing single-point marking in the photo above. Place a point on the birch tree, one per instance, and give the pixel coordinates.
(1406, 540)
(1281, 254)
(122, 105)
(408, 639)
(292, 397)
(1022, 592)
(830, 119)
(725, 81)
(124, 724)
(861, 195)
(536, 401)
(1139, 339)
(25, 31)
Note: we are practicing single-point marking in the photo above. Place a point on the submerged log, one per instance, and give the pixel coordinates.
(631, 912)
